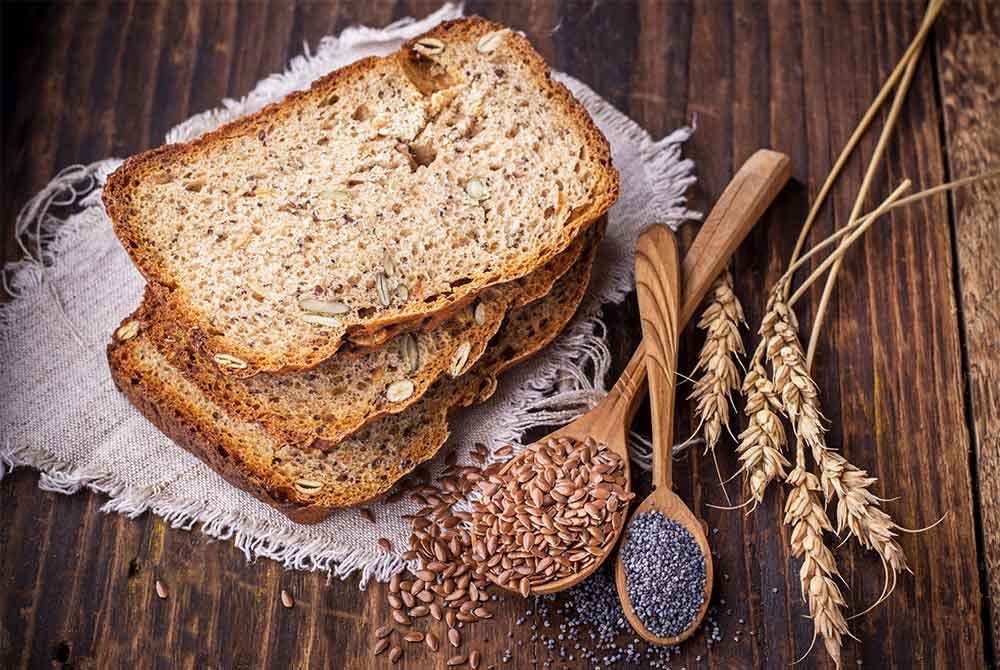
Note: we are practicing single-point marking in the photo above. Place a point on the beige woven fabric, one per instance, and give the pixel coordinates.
(60, 413)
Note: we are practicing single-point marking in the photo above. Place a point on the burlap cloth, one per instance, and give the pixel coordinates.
(60, 412)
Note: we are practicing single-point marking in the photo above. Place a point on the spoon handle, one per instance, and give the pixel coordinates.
(744, 201)
(658, 284)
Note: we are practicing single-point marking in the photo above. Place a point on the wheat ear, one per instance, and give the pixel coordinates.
(762, 442)
(717, 360)
(858, 511)
(805, 514)
(858, 508)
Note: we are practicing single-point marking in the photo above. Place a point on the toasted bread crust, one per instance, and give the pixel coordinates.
(119, 198)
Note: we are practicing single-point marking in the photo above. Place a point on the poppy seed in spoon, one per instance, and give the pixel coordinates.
(664, 573)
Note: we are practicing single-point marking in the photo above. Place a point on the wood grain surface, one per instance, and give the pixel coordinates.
(908, 363)
(969, 64)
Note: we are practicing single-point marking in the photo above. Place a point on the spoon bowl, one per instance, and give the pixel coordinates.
(671, 506)
(607, 425)
(742, 203)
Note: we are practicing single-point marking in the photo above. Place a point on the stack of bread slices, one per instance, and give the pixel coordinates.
(331, 278)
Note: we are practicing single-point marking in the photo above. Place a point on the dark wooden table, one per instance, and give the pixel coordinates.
(909, 365)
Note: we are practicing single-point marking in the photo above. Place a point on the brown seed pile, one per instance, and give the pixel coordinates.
(551, 515)
(449, 588)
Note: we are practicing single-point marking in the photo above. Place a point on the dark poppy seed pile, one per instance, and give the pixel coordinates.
(664, 572)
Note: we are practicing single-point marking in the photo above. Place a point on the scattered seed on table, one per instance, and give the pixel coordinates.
(380, 646)
(287, 600)
(454, 637)
(432, 641)
(382, 632)
(367, 514)
(414, 636)
(385, 544)
(395, 654)
(161, 589)
(456, 660)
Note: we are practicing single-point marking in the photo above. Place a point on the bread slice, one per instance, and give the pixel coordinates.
(346, 392)
(392, 189)
(307, 484)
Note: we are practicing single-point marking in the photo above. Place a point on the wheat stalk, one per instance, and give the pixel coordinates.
(717, 360)
(805, 514)
(911, 54)
(911, 60)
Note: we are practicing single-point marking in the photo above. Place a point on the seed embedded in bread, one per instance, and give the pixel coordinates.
(460, 358)
(229, 362)
(429, 46)
(128, 330)
(327, 307)
(488, 43)
(320, 320)
(399, 391)
(308, 487)
(477, 190)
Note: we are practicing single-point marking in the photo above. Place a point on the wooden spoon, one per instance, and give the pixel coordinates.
(743, 202)
(657, 283)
